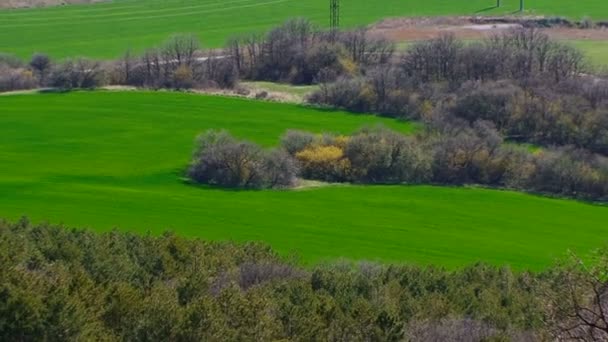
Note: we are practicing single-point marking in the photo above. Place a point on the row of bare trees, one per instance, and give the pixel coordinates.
(298, 52)
(518, 54)
(178, 63)
(41, 71)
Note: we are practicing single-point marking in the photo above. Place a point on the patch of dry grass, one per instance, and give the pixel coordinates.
(42, 3)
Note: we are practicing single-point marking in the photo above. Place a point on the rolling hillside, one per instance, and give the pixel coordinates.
(114, 159)
(107, 29)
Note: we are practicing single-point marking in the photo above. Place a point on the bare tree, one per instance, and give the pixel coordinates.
(180, 49)
(80, 73)
(41, 64)
(126, 67)
(577, 301)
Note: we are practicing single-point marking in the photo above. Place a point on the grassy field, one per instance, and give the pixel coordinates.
(596, 51)
(114, 159)
(108, 29)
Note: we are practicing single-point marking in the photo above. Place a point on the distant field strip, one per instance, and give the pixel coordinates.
(106, 30)
(115, 159)
(150, 14)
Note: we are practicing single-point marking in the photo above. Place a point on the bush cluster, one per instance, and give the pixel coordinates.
(369, 156)
(179, 63)
(531, 88)
(14, 75)
(467, 155)
(42, 72)
(222, 160)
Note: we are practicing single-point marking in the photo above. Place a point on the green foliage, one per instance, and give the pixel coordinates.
(65, 284)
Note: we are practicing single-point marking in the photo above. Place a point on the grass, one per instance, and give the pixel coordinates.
(596, 51)
(114, 159)
(106, 30)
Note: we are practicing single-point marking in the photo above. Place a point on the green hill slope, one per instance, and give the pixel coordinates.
(113, 159)
(108, 29)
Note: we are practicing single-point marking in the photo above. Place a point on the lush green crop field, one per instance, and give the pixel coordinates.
(113, 159)
(108, 29)
(595, 50)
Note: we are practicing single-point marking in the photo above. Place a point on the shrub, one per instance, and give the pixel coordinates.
(294, 141)
(16, 79)
(222, 160)
(80, 73)
(182, 77)
(383, 156)
(324, 162)
(279, 169)
(570, 172)
(351, 94)
(490, 101)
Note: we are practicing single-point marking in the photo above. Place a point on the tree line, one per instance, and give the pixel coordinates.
(178, 63)
(467, 155)
(532, 89)
(296, 52)
(58, 283)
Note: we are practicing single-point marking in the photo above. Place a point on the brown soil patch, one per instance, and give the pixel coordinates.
(42, 3)
(470, 28)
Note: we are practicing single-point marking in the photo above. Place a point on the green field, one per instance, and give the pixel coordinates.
(595, 51)
(108, 29)
(114, 159)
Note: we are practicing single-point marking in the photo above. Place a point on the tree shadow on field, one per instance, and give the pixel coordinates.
(486, 9)
(325, 109)
(182, 176)
(54, 91)
(189, 182)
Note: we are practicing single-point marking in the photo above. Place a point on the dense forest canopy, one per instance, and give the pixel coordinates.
(58, 283)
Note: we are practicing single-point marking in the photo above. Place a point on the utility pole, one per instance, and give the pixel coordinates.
(521, 5)
(497, 3)
(334, 15)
